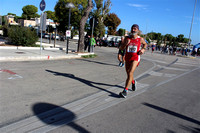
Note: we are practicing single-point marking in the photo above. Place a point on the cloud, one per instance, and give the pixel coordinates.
(139, 6)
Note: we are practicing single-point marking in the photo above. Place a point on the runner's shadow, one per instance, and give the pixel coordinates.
(97, 62)
(55, 115)
(87, 82)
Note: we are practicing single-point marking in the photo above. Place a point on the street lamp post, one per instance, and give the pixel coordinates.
(69, 5)
(191, 25)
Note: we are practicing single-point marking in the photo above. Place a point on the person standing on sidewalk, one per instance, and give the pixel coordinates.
(121, 53)
(86, 42)
(132, 45)
(92, 44)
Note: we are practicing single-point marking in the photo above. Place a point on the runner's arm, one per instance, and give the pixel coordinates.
(124, 44)
(144, 43)
(144, 46)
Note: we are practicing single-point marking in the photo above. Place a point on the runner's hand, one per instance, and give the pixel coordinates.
(141, 51)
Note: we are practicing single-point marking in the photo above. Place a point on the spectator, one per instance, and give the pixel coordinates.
(86, 42)
(92, 44)
(174, 50)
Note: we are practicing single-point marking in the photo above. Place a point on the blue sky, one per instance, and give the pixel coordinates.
(163, 16)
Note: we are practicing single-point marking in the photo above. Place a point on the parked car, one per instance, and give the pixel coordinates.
(113, 43)
(46, 36)
(106, 43)
(62, 38)
(43, 34)
(57, 37)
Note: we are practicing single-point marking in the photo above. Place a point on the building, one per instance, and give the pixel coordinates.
(27, 23)
(10, 19)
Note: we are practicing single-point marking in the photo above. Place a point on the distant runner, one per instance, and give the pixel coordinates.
(121, 54)
(132, 57)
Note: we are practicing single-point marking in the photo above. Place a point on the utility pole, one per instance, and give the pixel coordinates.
(93, 26)
(191, 25)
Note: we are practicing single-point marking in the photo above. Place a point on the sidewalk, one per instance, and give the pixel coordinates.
(14, 53)
(177, 54)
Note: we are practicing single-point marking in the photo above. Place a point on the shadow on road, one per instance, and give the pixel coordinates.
(191, 129)
(87, 82)
(55, 115)
(97, 62)
(188, 129)
(172, 113)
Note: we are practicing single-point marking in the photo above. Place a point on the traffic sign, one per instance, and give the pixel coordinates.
(43, 18)
(42, 5)
(68, 33)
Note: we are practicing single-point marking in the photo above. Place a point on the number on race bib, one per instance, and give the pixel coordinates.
(132, 49)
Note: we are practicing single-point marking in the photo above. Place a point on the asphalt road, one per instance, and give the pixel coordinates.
(81, 95)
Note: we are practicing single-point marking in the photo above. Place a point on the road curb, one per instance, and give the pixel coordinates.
(30, 48)
(38, 58)
(184, 56)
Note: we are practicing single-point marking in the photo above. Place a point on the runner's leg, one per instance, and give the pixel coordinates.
(130, 68)
(119, 58)
(123, 59)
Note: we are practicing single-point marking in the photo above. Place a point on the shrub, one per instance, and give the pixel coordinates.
(89, 56)
(22, 36)
(5, 30)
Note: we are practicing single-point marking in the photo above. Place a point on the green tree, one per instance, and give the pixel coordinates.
(112, 22)
(61, 13)
(121, 32)
(174, 41)
(51, 15)
(102, 9)
(169, 38)
(180, 38)
(152, 35)
(186, 40)
(30, 11)
(82, 26)
(159, 38)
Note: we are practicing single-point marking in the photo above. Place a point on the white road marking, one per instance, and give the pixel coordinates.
(177, 63)
(15, 77)
(173, 68)
(154, 60)
(153, 73)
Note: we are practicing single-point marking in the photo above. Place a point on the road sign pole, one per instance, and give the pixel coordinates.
(42, 7)
(93, 26)
(41, 28)
(67, 47)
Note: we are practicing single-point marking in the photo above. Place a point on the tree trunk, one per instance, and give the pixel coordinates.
(82, 26)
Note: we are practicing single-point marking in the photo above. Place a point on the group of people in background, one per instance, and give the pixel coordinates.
(169, 50)
(90, 43)
(173, 50)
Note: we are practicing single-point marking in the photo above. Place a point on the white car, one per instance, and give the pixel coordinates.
(46, 36)
(57, 37)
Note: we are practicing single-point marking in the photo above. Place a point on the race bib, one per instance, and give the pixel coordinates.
(132, 49)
